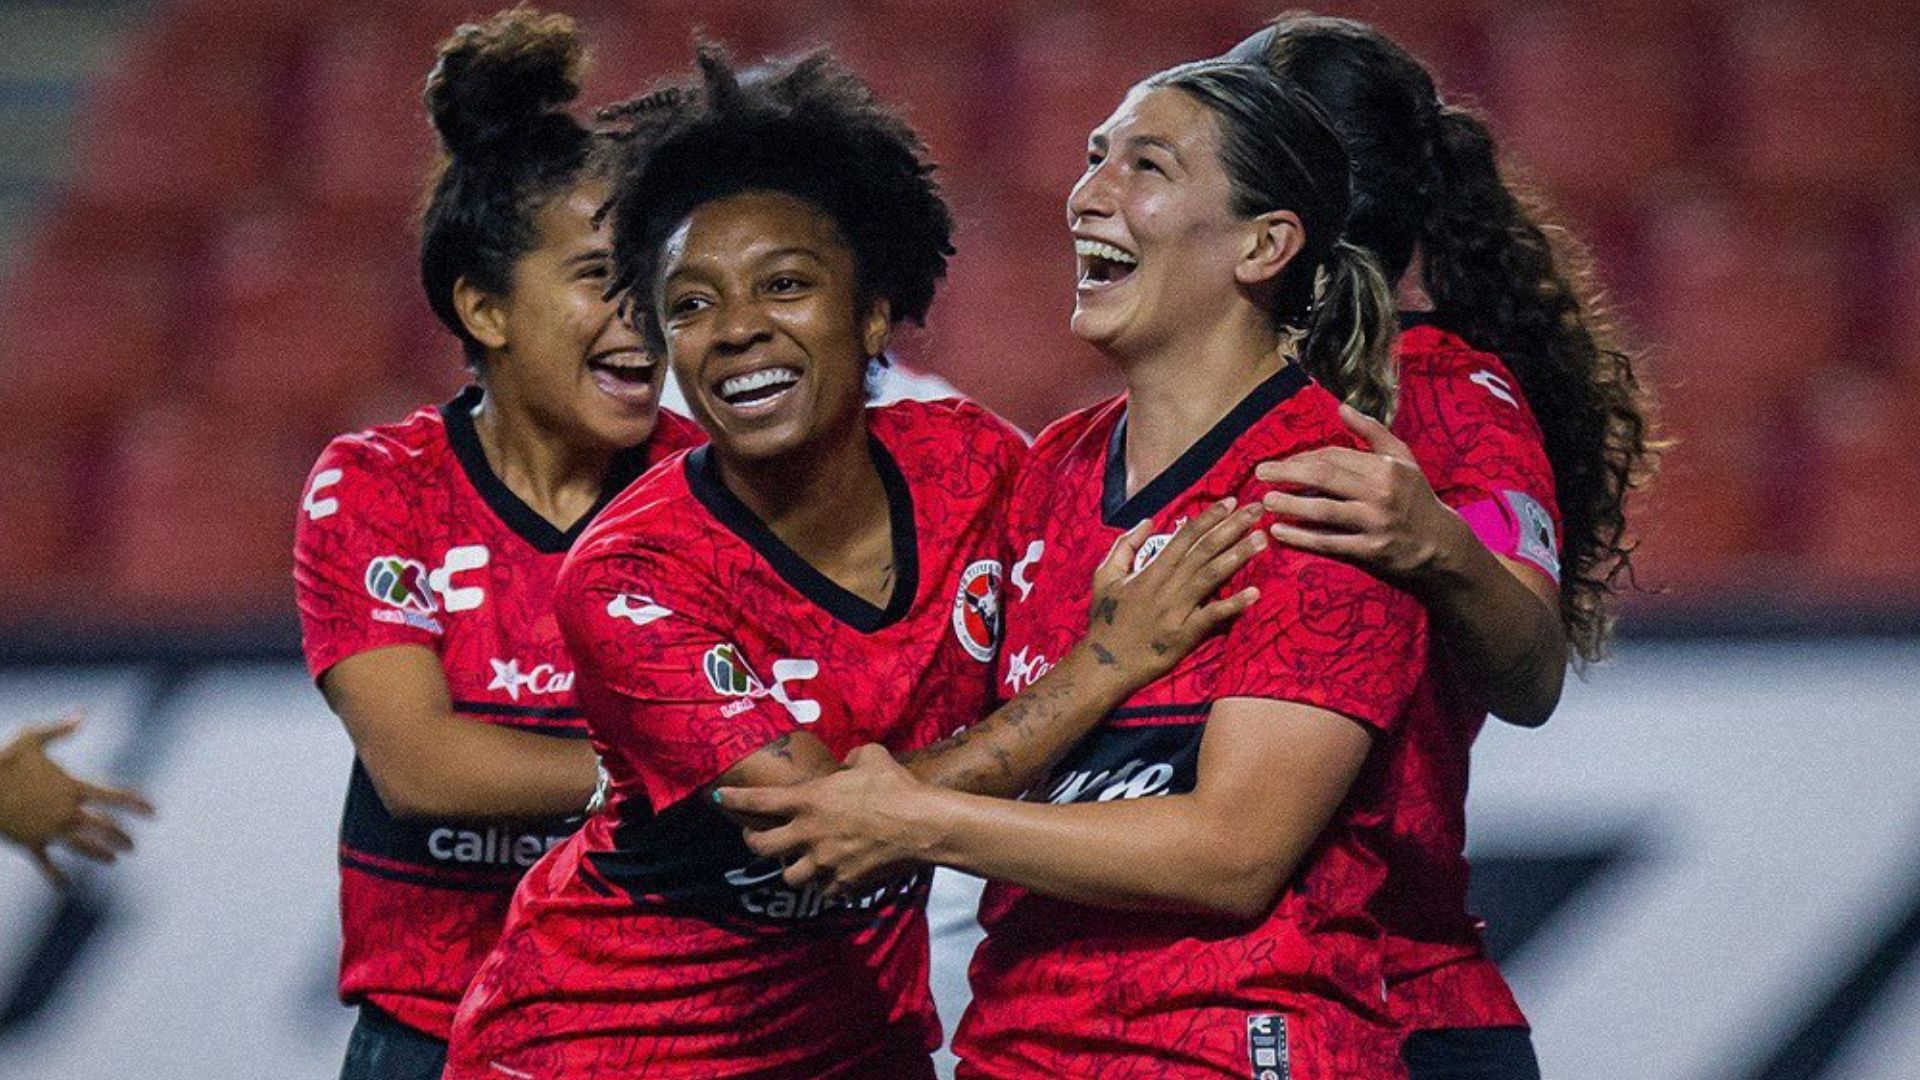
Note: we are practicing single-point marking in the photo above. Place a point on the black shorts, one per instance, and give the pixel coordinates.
(1498, 1053)
(383, 1048)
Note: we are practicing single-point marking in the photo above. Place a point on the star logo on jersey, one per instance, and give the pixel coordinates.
(400, 583)
(1025, 668)
(543, 679)
(729, 675)
(1022, 569)
(976, 609)
(1495, 385)
(636, 609)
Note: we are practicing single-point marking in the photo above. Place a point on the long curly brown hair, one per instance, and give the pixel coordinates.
(1427, 178)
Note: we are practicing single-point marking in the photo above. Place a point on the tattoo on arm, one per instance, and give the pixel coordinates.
(1101, 653)
(782, 747)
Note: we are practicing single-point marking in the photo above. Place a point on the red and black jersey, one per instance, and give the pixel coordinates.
(407, 537)
(1064, 989)
(654, 943)
(1467, 423)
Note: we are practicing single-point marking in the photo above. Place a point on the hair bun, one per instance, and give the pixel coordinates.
(494, 78)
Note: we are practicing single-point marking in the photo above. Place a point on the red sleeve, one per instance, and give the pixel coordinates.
(1325, 634)
(358, 577)
(665, 687)
(1469, 426)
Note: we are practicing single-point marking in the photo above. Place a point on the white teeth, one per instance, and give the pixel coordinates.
(626, 361)
(1094, 249)
(757, 380)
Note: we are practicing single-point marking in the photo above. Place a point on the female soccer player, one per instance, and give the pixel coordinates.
(1189, 892)
(821, 575)
(427, 549)
(1480, 546)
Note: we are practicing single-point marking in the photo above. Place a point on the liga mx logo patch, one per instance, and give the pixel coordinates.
(729, 675)
(1267, 1046)
(976, 609)
(401, 583)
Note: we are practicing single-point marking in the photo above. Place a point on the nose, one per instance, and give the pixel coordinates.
(739, 324)
(1092, 194)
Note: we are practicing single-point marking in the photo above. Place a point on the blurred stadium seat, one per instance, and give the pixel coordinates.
(234, 229)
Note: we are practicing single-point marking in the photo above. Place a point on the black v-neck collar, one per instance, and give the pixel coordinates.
(515, 514)
(703, 476)
(1120, 512)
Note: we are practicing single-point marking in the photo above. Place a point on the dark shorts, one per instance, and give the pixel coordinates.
(1500, 1053)
(383, 1048)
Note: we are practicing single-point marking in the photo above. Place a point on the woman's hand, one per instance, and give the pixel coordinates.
(1373, 508)
(41, 804)
(1144, 622)
(851, 830)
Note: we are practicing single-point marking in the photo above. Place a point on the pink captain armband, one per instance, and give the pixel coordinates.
(1514, 525)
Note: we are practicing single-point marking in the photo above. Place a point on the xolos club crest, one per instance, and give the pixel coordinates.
(976, 609)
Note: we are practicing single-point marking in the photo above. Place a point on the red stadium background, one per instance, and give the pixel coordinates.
(208, 267)
(218, 271)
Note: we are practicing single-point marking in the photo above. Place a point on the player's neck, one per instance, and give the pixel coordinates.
(1174, 399)
(828, 504)
(558, 480)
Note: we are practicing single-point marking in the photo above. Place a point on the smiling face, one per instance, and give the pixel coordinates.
(557, 351)
(759, 303)
(1154, 233)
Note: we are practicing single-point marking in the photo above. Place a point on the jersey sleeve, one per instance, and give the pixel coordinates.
(1325, 634)
(670, 694)
(1475, 437)
(358, 579)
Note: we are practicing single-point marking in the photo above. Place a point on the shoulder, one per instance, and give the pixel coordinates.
(1443, 378)
(1082, 433)
(1308, 419)
(673, 433)
(368, 484)
(944, 432)
(410, 448)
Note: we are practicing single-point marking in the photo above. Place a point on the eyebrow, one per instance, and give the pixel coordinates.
(1098, 141)
(598, 254)
(1136, 141)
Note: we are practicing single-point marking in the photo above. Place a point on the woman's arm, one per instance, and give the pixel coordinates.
(1141, 625)
(1270, 776)
(428, 762)
(1499, 619)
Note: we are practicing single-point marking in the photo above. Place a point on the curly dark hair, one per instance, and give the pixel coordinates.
(1426, 176)
(498, 98)
(807, 127)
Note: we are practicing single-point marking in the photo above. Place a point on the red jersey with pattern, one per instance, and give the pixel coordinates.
(654, 943)
(407, 537)
(1463, 416)
(1064, 989)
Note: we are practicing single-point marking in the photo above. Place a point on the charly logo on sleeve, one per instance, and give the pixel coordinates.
(1495, 385)
(316, 506)
(636, 609)
(976, 609)
(727, 672)
(1023, 570)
